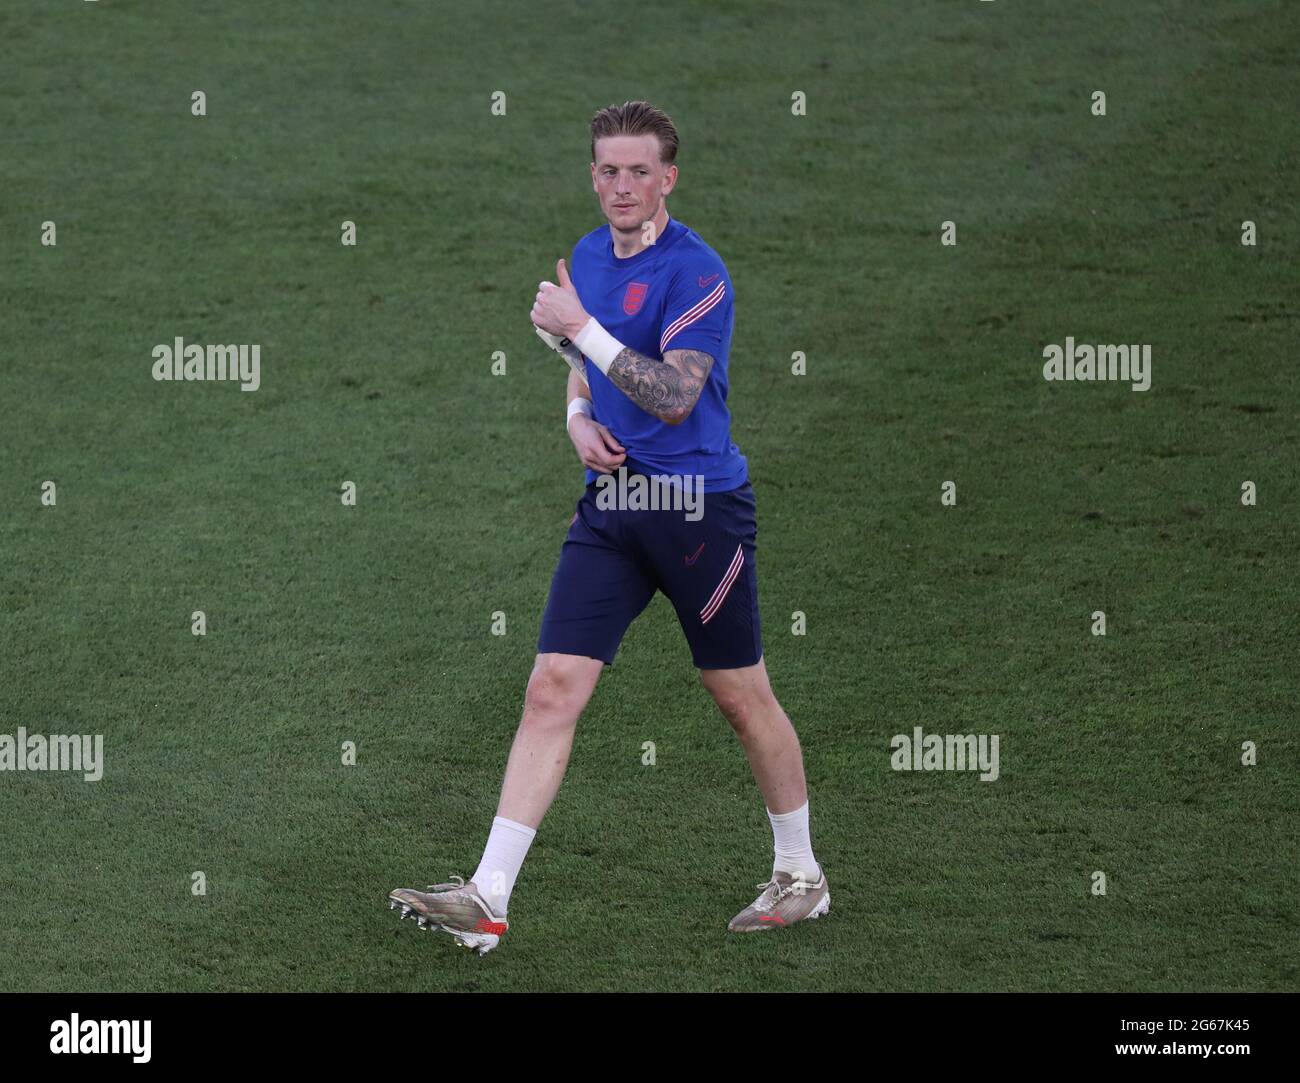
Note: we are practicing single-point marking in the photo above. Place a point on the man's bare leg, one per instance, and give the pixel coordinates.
(475, 912)
(558, 691)
(798, 889)
(745, 698)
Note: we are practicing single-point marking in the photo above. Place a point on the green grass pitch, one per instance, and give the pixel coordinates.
(1120, 754)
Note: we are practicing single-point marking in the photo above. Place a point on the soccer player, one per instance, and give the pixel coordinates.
(649, 305)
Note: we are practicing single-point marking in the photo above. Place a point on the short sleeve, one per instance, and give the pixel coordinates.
(699, 302)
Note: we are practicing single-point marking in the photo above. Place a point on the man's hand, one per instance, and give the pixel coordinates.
(557, 308)
(595, 445)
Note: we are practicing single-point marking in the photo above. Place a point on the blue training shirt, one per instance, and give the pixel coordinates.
(674, 295)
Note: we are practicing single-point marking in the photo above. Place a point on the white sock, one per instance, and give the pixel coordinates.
(792, 844)
(503, 857)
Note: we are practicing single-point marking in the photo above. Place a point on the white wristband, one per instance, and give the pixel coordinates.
(578, 406)
(598, 344)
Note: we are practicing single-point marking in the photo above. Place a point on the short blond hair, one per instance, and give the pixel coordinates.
(636, 118)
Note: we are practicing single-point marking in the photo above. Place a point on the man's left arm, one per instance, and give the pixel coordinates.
(668, 389)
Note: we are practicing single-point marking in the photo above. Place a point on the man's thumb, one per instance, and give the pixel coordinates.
(562, 273)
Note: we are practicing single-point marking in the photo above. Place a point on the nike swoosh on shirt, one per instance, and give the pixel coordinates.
(691, 560)
(705, 281)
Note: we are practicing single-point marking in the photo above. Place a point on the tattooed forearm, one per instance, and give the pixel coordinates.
(668, 389)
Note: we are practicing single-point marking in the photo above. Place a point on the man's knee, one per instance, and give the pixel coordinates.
(743, 698)
(559, 687)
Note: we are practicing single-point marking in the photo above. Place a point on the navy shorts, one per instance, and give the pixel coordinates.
(613, 561)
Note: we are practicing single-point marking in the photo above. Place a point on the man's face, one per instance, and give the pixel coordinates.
(630, 179)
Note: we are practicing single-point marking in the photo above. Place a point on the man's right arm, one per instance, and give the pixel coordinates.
(596, 445)
(578, 388)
